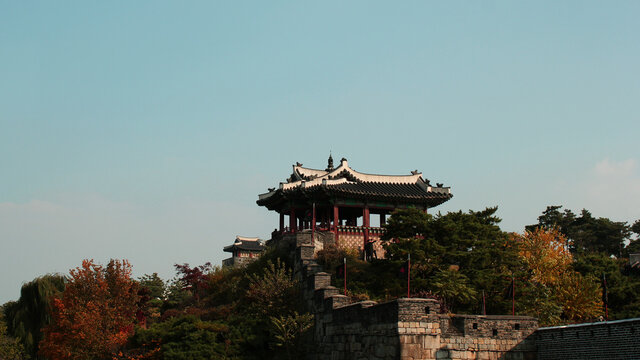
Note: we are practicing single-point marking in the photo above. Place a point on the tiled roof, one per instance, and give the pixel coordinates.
(404, 191)
(249, 244)
(345, 181)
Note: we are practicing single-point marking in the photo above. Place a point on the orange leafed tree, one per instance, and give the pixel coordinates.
(545, 254)
(95, 315)
(550, 282)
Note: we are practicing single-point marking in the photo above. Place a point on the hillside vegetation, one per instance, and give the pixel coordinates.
(556, 271)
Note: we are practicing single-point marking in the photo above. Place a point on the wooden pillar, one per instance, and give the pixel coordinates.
(292, 220)
(313, 218)
(383, 219)
(365, 224)
(281, 221)
(336, 221)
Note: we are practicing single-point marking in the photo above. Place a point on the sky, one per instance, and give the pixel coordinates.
(146, 130)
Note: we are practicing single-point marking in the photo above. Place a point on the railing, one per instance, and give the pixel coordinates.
(342, 229)
(360, 230)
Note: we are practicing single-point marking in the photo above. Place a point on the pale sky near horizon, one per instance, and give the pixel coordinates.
(146, 130)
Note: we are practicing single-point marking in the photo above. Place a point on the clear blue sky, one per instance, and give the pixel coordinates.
(145, 130)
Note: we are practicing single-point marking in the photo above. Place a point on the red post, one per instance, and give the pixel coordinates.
(336, 220)
(365, 224)
(345, 276)
(484, 308)
(292, 220)
(409, 276)
(313, 224)
(513, 296)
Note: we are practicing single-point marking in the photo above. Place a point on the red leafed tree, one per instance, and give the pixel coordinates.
(95, 315)
(196, 279)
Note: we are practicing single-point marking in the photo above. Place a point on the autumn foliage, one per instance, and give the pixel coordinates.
(550, 288)
(95, 315)
(545, 254)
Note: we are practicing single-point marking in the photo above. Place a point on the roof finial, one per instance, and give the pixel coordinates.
(330, 163)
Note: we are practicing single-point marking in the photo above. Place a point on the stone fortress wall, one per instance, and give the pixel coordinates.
(406, 328)
(412, 328)
(602, 340)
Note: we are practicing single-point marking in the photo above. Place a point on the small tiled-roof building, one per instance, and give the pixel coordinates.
(243, 251)
(341, 200)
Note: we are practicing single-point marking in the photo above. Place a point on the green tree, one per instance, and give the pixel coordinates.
(186, 338)
(473, 242)
(553, 218)
(10, 347)
(152, 294)
(623, 284)
(289, 331)
(634, 245)
(154, 284)
(273, 292)
(26, 317)
(453, 287)
(586, 233)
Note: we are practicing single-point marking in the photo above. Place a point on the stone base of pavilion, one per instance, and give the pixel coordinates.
(347, 237)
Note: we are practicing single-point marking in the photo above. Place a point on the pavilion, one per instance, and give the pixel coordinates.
(342, 201)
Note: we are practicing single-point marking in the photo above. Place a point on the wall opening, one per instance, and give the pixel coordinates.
(516, 326)
(495, 332)
(475, 326)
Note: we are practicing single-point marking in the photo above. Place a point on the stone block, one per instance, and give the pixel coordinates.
(318, 281)
(305, 252)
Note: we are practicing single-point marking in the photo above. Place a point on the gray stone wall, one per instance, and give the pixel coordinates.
(407, 329)
(602, 340)
(411, 329)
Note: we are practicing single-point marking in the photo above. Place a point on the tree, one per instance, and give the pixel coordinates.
(27, 316)
(154, 284)
(194, 280)
(453, 287)
(272, 292)
(185, 337)
(473, 242)
(95, 315)
(552, 218)
(407, 224)
(10, 348)
(586, 233)
(550, 288)
(545, 255)
(152, 294)
(623, 283)
(288, 332)
(634, 245)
